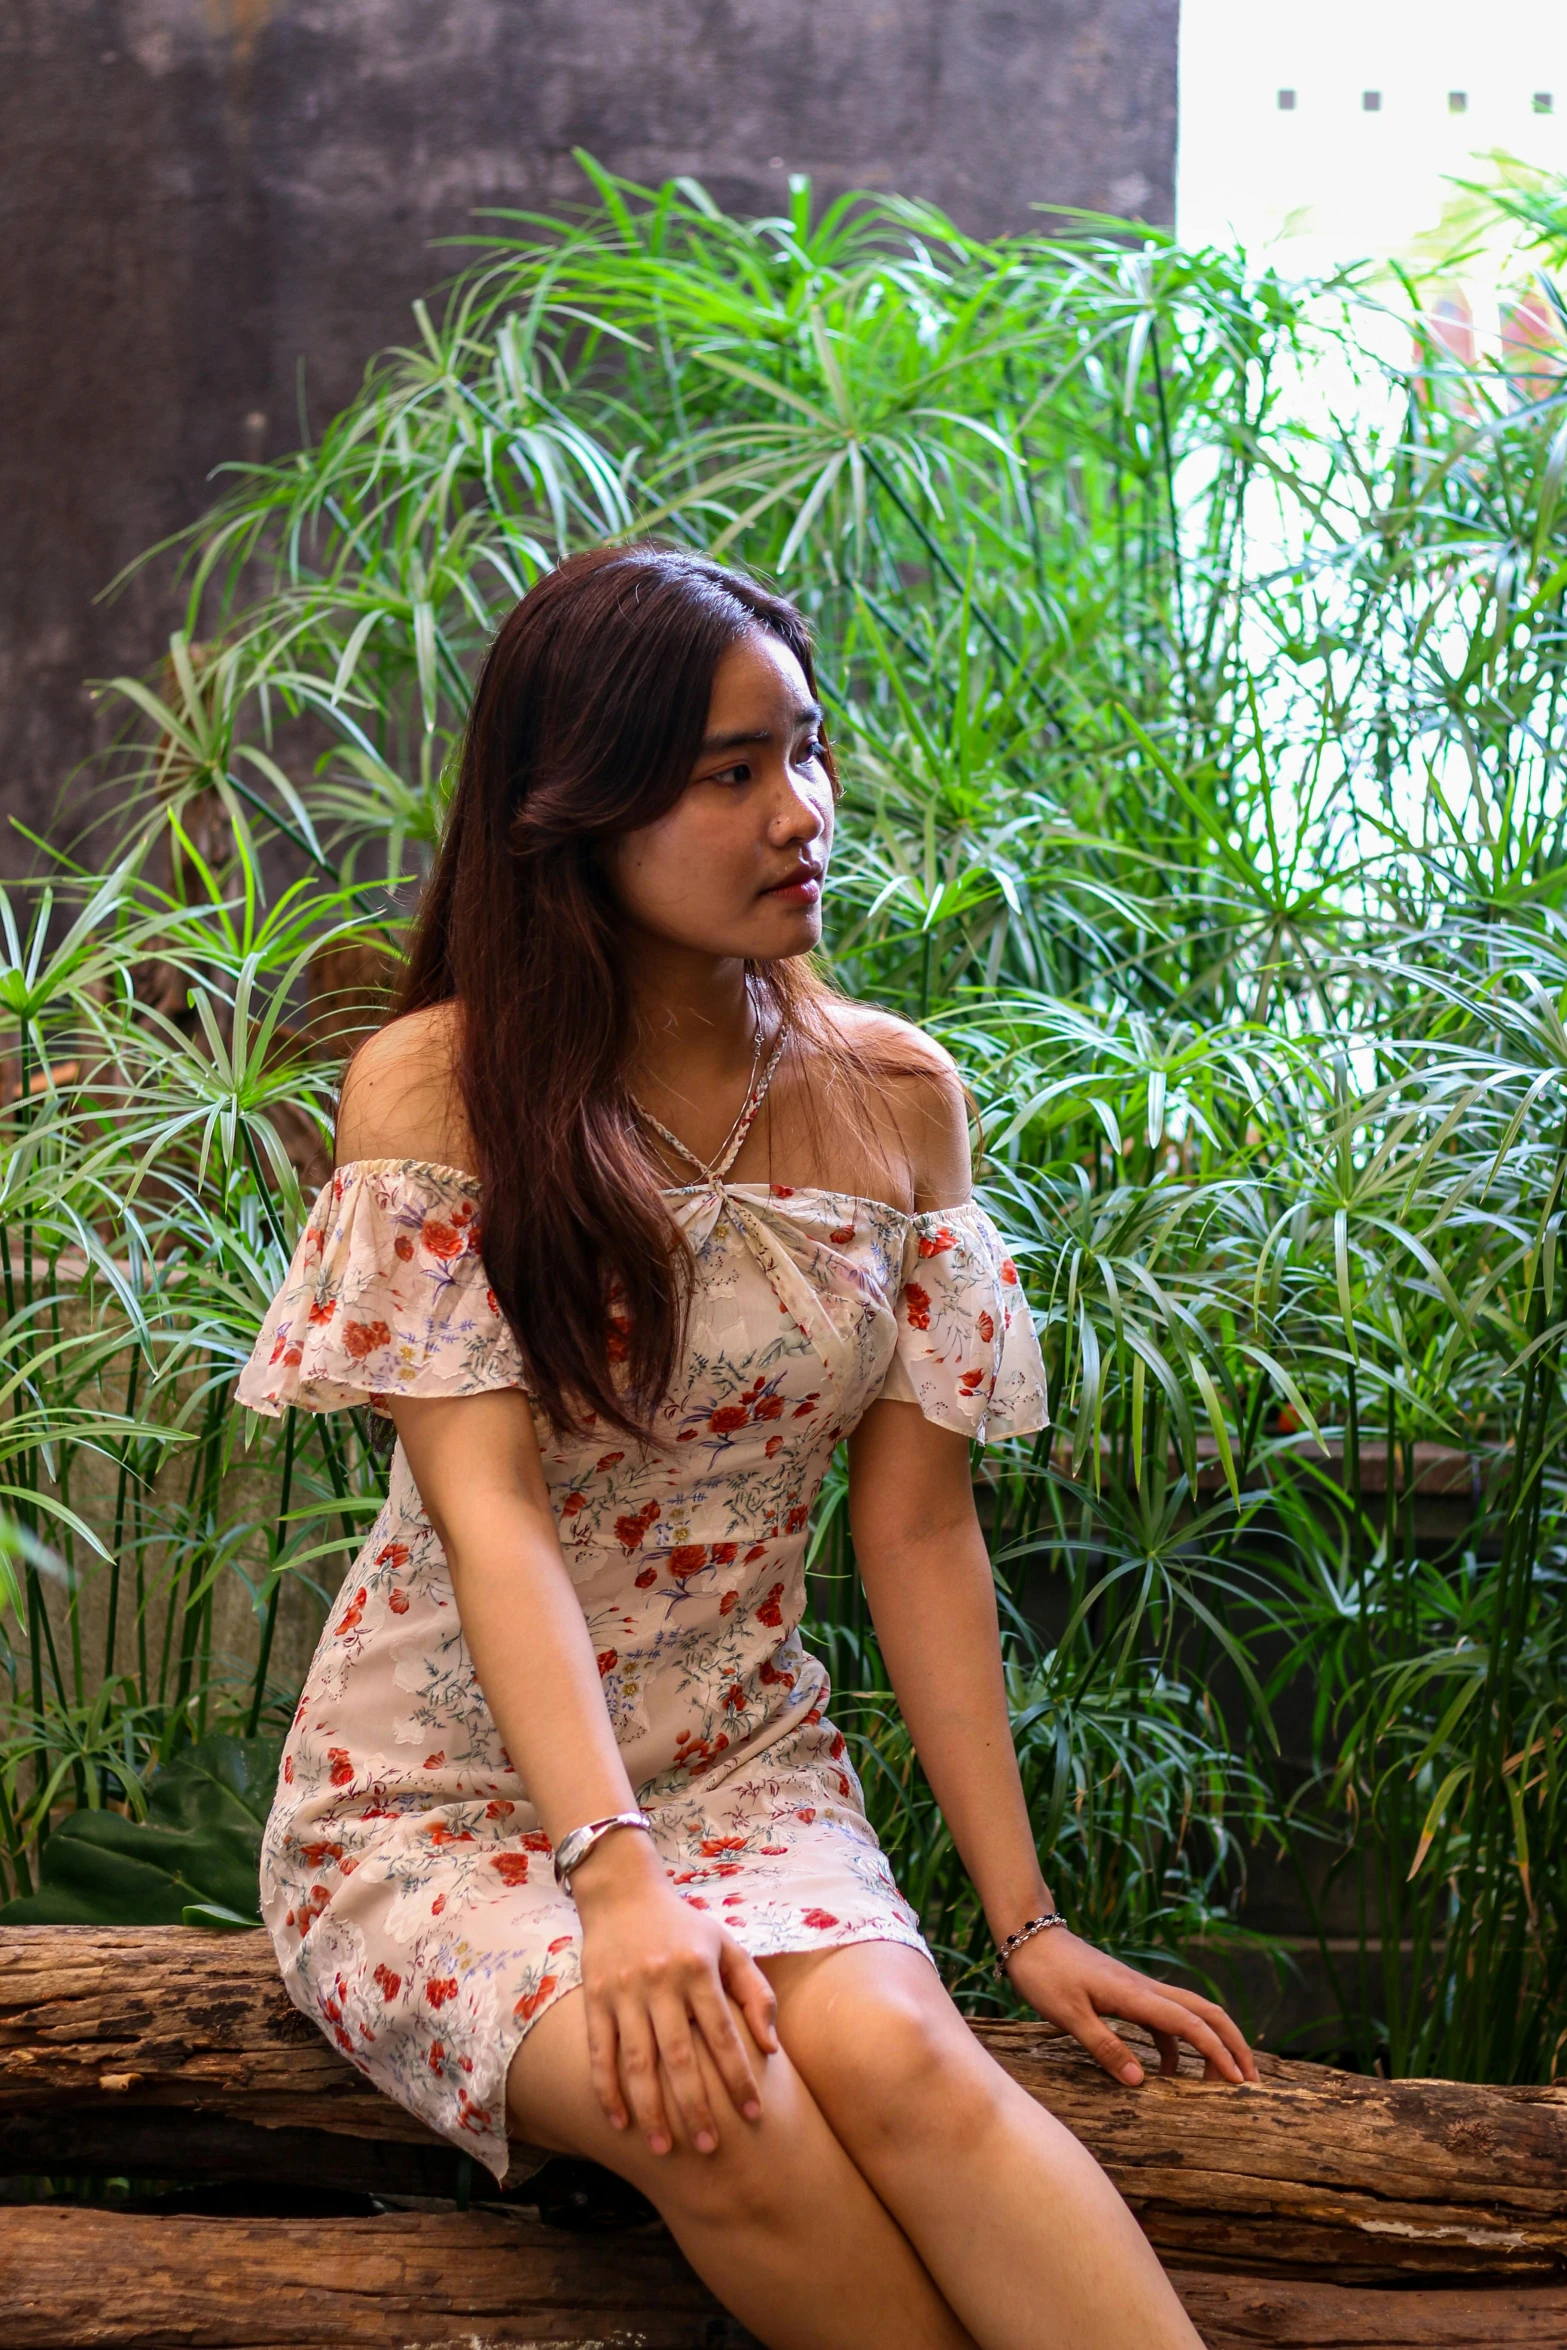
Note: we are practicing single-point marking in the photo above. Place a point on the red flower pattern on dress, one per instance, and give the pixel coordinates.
(362, 1338)
(528, 2006)
(631, 1531)
(716, 1648)
(441, 1240)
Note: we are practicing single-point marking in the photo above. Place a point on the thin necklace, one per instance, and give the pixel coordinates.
(721, 1156)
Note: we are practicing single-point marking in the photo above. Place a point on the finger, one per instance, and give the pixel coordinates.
(1095, 2035)
(716, 2022)
(639, 2077)
(751, 1992)
(1167, 2015)
(1222, 2022)
(687, 2091)
(1169, 2053)
(603, 2042)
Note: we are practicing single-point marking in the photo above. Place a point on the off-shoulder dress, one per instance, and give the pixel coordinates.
(405, 1880)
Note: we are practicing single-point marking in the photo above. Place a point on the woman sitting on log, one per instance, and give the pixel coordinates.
(633, 1222)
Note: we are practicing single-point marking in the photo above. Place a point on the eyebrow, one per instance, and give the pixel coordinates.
(808, 714)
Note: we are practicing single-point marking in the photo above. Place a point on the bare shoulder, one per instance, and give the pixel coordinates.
(400, 1097)
(926, 1098)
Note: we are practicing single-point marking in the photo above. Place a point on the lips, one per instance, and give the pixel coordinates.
(803, 883)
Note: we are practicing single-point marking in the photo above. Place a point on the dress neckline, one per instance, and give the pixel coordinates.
(779, 1193)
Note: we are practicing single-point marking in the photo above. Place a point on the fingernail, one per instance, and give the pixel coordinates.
(704, 2141)
(1131, 2074)
(752, 2112)
(659, 2145)
(617, 2121)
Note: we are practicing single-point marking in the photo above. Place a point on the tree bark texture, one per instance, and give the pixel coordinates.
(1284, 2212)
(111, 2038)
(101, 2280)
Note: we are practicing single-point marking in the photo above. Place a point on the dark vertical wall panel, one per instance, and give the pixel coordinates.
(198, 196)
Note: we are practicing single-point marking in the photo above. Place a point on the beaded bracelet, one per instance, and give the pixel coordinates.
(1015, 1942)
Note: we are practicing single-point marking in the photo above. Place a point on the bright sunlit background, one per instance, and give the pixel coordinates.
(1327, 132)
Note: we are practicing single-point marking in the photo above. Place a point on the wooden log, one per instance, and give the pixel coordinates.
(1313, 2172)
(1251, 2313)
(101, 2280)
(89, 2279)
(1319, 2171)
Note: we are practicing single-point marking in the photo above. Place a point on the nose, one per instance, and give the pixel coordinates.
(796, 814)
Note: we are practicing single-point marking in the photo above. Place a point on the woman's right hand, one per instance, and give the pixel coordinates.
(659, 1975)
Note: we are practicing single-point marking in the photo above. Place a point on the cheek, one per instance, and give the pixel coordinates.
(666, 865)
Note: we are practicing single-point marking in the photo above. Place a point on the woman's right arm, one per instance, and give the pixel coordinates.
(653, 1970)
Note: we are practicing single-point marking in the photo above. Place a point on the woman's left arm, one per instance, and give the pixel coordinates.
(927, 1576)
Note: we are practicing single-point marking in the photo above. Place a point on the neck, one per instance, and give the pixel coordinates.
(695, 1021)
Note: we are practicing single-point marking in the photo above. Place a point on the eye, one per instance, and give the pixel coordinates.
(740, 772)
(815, 752)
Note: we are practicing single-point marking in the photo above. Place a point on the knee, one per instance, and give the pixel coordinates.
(911, 2072)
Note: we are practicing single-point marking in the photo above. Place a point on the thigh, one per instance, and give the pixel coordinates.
(550, 2102)
(778, 2220)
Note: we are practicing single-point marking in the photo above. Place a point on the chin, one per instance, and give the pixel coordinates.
(791, 938)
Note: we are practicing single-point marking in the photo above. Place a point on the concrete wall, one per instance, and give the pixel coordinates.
(207, 204)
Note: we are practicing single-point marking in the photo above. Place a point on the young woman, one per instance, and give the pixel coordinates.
(633, 1222)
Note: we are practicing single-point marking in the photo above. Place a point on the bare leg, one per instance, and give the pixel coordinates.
(1016, 2222)
(778, 2222)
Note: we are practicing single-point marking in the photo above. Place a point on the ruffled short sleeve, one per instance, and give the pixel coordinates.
(386, 1296)
(966, 1352)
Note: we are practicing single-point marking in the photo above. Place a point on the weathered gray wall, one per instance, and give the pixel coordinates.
(197, 196)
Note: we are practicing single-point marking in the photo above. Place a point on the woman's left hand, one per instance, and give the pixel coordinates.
(1075, 1986)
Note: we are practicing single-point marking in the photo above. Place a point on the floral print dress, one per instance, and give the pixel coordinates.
(405, 1880)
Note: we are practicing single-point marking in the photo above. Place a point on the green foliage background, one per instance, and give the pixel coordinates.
(1197, 678)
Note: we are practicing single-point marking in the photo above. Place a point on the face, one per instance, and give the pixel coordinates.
(736, 866)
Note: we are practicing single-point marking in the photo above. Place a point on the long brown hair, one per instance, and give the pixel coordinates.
(587, 720)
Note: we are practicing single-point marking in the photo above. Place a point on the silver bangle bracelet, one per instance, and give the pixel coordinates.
(1014, 1942)
(577, 1843)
